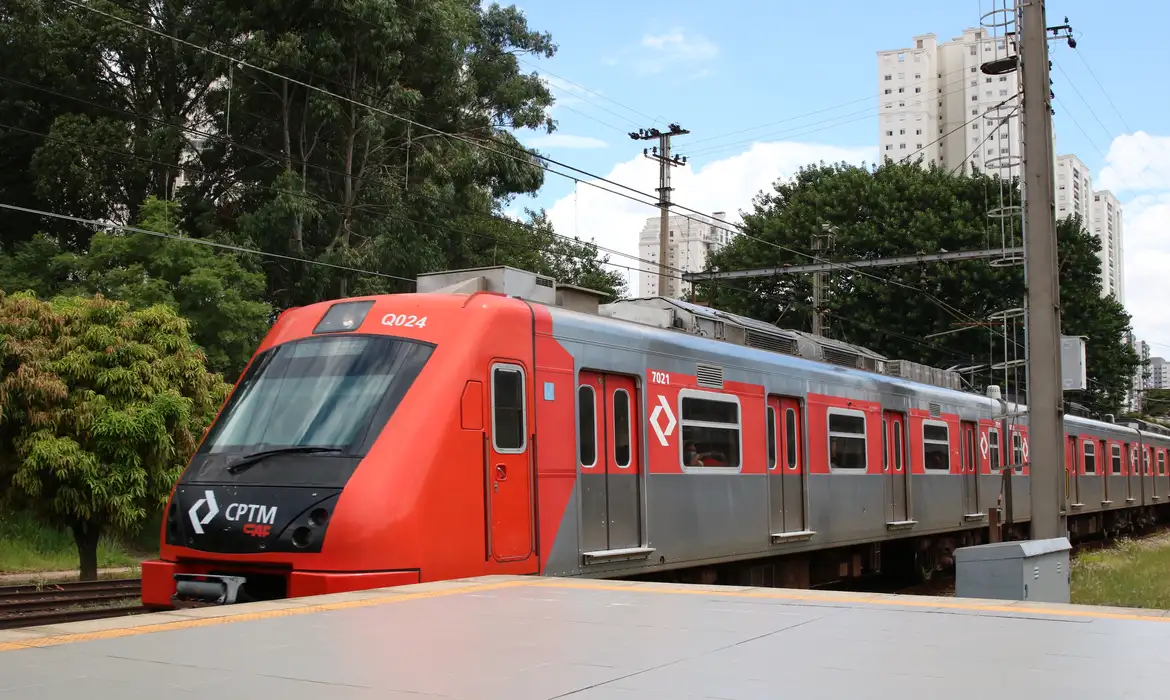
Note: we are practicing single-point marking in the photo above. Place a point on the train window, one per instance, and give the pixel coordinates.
(885, 447)
(1161, 463)
(587, 425)
(936, 446)
(969, 449)
(1116, 459)
(771, 438)
(1017, 449)
(897, 445)
(330, 391)
(621, 428)
(508, 415)
(1146, 459)
(993, 447)
(847, 446)
(710, 430)
(790, 436)
(1090, 457)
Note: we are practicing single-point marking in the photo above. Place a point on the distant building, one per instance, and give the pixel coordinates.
(929, 92)
(1074, 189)
(1159, 374)
(1141, 378)
(690, 242)
(1107, 225)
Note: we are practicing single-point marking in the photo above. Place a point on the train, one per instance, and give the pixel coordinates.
(497, 422)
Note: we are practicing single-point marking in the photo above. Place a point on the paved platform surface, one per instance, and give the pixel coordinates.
(513, 638)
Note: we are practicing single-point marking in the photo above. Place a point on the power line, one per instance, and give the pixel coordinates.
(200, 241)
(530, 155)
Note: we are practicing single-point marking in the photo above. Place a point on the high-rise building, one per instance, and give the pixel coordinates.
(1142, 377)
(936, 104)
(1158, 376)
(690, 242)
(1107, 225)
(1074, 190)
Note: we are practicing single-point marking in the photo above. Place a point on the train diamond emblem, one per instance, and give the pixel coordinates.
(661, 432)
(212, 511)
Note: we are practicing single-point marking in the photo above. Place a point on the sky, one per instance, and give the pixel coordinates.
(768, 86)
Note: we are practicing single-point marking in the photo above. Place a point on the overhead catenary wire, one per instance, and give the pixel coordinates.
(198, 241)
(529, 156)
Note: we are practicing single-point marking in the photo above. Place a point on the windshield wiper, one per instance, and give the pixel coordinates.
(250, 459)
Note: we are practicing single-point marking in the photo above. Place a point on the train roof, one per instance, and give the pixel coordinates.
(677, 319)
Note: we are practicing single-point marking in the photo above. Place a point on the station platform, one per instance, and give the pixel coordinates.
(519, 638)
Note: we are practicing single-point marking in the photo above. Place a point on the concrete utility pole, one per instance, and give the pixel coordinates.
(1041, 275)
(661, 153)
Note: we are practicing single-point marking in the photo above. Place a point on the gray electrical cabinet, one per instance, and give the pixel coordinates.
(1028, 570)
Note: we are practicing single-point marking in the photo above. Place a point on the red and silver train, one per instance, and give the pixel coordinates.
(459, 432)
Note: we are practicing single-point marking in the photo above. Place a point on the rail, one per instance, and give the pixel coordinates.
(32, 604)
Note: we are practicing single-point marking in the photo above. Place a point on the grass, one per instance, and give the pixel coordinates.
(27, 546)
(1131, 574)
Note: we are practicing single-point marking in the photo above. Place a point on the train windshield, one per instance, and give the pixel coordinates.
(328, 392)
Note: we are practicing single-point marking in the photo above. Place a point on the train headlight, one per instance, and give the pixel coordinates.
(343, 317)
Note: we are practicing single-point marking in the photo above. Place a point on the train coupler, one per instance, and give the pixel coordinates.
(206, 589)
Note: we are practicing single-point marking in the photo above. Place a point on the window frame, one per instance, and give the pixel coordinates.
(1161, 462)
(773, 453)
(864, 434)
(580, 437)
(510, 367)
(993, 447)
(1116, 468)
(946, 426)
(709, 396)
(791, 449)
(629, 428)
(1089, 452)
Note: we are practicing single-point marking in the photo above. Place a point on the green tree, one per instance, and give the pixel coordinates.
(214, 290)
(348, 180)
(1156, 403)
(100, 409)
(904, 209)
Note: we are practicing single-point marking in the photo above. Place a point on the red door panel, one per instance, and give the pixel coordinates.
(509, 477)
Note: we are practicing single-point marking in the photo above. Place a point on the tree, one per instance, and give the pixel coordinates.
(1156, 403)
(100, 408)
(218, 292)
(420, 137)
(903, 209)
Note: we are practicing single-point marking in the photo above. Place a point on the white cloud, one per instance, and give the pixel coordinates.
(726, 185)
(1136, 162)
(656, 53)
(1146, 232)
(565, 141)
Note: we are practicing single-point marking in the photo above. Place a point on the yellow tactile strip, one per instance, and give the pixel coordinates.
(32, 638)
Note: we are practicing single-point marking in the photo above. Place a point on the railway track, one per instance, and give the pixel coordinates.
(29, 605)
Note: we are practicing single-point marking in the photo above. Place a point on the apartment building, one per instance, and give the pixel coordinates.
(691, 240)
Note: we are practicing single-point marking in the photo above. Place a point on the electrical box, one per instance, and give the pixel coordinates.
(1027, 570)
(1073, 376)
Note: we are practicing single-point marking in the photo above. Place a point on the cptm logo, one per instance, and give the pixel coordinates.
(258, 519)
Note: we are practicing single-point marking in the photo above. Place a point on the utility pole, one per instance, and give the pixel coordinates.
(661, 153)
(1042, 322)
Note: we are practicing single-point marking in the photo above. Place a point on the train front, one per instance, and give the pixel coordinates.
(263, 510)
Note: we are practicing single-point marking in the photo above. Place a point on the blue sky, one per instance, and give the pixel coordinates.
(745, 77)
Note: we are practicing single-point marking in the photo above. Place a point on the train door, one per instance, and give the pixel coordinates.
(970, 470)
(1071, 472)
(609, 455)
(786, 476)
(897, 467)
(509, 478)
